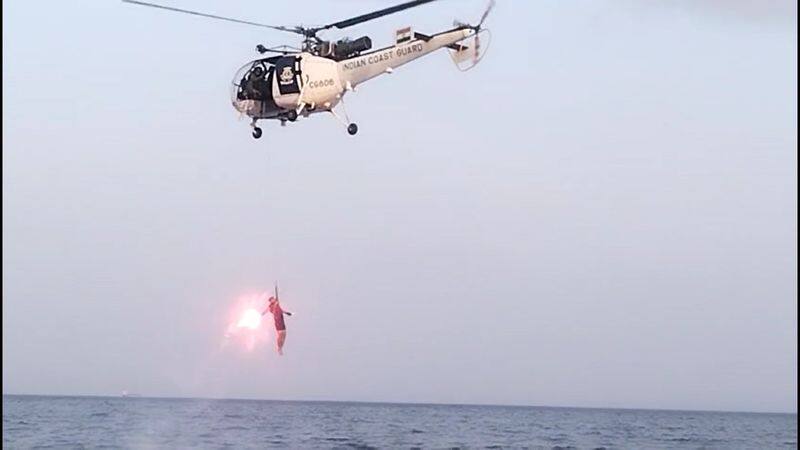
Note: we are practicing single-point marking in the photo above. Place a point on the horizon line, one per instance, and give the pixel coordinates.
(378, 402)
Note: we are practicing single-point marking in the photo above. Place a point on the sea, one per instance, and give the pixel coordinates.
(145, 423)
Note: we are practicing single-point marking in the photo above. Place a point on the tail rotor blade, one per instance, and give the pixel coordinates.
(486, 13)
(476, 50)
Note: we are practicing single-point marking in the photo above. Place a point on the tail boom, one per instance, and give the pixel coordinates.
(369, 65)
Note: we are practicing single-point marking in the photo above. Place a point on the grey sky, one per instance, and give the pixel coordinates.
(603, 213)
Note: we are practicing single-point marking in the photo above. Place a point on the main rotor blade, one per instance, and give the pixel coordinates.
(212, 16)
(376, 14)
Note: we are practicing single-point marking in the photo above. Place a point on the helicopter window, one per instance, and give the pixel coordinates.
(255, 84)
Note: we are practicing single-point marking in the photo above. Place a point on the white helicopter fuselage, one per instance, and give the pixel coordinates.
(323, 82)
(292, 84)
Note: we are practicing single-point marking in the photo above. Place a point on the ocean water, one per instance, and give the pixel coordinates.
(97, 422)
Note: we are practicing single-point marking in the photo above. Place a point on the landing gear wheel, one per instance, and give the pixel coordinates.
(291, 115)
(352, 129)
(256, 132)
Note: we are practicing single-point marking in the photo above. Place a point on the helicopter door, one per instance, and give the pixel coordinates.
(287, 72)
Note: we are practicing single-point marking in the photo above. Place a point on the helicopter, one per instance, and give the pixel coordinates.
(287, 83)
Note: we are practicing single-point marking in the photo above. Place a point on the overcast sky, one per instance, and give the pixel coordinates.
(602, 213)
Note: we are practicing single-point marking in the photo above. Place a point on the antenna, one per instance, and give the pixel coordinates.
(276, 290)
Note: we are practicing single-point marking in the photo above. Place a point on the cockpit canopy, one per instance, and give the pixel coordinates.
(252, 87)
(253, 81)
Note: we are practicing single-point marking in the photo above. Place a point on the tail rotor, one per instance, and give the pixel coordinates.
(461, 57)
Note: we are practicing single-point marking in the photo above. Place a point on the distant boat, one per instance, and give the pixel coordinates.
(127, 394)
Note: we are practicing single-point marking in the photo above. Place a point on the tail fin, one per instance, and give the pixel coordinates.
(467, 56)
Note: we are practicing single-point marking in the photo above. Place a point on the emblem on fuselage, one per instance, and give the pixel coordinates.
(287, 75)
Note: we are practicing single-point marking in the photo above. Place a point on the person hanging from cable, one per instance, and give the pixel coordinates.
(274, 307)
